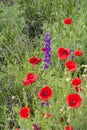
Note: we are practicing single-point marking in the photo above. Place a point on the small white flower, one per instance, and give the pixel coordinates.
(13, 97)
(84, 66)
(85, 70)
(68, 79)
(84, 75)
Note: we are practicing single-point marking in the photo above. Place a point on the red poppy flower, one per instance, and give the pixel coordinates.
(43, 49)
(78, 89)
(27, 82)
(71, 65)
(69, 128)
(74, 100)
(46, 115)
(76, 81)
(63, 53)
(68, 21)
(30, 79)
(78, 53)
(45, 93)
(34, 61)
(24, 112)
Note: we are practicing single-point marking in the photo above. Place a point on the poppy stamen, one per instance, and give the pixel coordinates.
(45, 93)
(73, 102)
(63, 53)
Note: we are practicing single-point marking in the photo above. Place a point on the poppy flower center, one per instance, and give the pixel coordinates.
(72, 102)
(44, 93)
(35, 60)
(63, 52)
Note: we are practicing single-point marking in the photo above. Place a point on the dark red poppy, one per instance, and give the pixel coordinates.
(43, 49)
(68, 21)
(78, 89)
(45, 93)
(24, 112)
(78, 53)
(34, 61)
(69, 128)
(30, 79)
(76, 81)
(74, 100)
(46, 115)
(71, 65)
(63, 53)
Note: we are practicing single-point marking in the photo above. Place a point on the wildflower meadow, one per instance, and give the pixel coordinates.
(43, 65)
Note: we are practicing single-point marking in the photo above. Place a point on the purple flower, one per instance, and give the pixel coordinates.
(72, 57)
(78, 8)
(3, 1)
(47, 53)
(71, 51)
(12, 3)
(46, 66)
(48, 40)
(47, 36)
(48, 49)
(48, 61)
(45, 103)
(42, 104)
(45, 56)
(36, 127)
(49, 56)
(48, 103)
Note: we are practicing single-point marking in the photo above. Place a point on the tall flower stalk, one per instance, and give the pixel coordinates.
(47, 55)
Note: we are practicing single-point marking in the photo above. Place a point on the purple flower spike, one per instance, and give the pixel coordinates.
(48, 49)
(47, 55)
(48, 40)
(47, 36)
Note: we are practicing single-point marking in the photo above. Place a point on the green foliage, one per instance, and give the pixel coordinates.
(22, 36)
